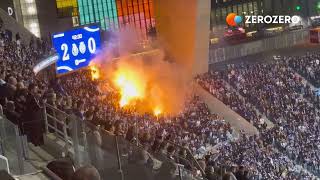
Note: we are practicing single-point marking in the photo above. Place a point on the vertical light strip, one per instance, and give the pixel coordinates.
(144, 15)
(86, 12)
(30, 18)
(81, 12)
(149, 11)
(102, 14)
(134, 15)
(91, 11)
(109, 16)
(105, 10)
(115, 14)
(138, 3)
(96, 11)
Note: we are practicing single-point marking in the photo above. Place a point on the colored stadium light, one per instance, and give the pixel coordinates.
(318, 5)
(298, 7)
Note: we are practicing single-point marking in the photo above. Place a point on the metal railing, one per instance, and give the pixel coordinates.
(191, 158)
(57, 122)
(92, 145)
(12, 145)
(4, 163)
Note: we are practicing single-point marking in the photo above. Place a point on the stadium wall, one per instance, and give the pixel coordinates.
(11, 24)
(49, 22)
(285, 40)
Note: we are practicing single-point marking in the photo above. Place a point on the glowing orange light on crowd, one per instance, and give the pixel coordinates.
(157, 111)
(131, 86)
(95, 73)
(140, 87)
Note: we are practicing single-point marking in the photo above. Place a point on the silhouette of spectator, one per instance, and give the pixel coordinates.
(86, 173)
(167, 171)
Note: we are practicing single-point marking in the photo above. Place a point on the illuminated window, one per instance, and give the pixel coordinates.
(99, 11)
(115, 14)
(136, 12)
(67, 8)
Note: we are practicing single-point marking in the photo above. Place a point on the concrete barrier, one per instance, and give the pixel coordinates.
(285, 40)
(217, 107)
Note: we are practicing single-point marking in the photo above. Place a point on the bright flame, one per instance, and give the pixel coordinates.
(131, 86)
(155, 87)
(157, 111)
(95, 73)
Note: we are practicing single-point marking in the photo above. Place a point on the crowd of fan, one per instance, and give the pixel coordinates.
(22, 95)
(195, 127)
(271, 88)
(19, 86)
(284, 97)
(213, 82)
(308, 66)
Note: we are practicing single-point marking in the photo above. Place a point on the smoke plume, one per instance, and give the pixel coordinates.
(161, 84)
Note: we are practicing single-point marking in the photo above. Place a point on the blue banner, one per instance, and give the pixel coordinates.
(76, 48)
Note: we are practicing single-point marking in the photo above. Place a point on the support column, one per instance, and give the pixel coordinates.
(183, 28)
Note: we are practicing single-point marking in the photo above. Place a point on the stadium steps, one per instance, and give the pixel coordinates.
(11, 24)
(37, 158)
(230, 88)
(55, 146)
(33, 176)
(42, 154)
(217, 107)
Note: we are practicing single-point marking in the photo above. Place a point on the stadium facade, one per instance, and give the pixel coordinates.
(112, 15)
(115, 14)
(221, 8)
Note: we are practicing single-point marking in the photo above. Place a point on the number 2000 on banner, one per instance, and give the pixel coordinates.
(76, 48)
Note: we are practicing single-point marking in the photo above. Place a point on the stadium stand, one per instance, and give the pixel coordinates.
(280, 94)
(23, 96)
(196, 144)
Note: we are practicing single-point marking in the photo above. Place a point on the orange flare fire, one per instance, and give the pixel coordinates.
(131, 86)
(95, 73)
(157, 111)
(138, 87)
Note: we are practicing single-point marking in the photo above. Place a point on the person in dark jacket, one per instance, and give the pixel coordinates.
(79, 110)
(241, 174)
(182, 159)
(32, 124)
(167, 171)
(138, 169)
(63, 168)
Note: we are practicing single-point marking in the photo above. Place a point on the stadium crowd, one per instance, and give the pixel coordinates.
(193, 128)
(213, 82)
(273, 89)
(276, 91)
(308, 66)
(22, 95)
